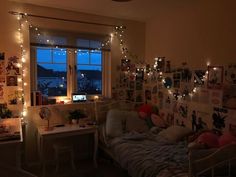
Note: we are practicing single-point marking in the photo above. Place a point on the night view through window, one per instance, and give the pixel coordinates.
(52, 71)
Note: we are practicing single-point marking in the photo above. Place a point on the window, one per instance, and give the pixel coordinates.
(51, 71)
(68, 64)
(89, 71)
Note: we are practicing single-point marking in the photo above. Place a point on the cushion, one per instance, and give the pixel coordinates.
(145, 110)
(226, 138)
(175, 133)
(209, 139)
(158, 121)
(115, 123)
(134, 123)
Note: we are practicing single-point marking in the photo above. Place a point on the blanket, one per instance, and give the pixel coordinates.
(150, 155)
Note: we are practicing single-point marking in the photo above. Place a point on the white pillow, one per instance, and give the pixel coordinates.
(175, 133)
(134, 123)
(115, 123)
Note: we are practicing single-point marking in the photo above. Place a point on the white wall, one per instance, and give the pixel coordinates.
(193, 31)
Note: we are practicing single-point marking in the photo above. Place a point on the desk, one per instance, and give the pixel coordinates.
(62, 132)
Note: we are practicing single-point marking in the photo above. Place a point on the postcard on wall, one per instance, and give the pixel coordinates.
(121, 94)
(219, 117)
(130, 95)
(229, 97)
(1, 91)
(204, 96)
(2, 68)
(215, 77)
(125, 64)
(2, 79)
(139, 85)
(12, 97)
(2, 56)
(199, 78)
(216, 97)
(139, 96)
(148, 94)
(11, 80)
(230, 74)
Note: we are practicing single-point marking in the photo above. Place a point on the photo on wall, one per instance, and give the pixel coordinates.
(215, 77)
(11, 80)
(2, 68)
(2, 56)
(219, 117)
(229, 97)
(199, 78)
(230, 74)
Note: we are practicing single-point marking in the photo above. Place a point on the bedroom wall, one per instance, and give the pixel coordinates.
(9, 45)
(192, 31)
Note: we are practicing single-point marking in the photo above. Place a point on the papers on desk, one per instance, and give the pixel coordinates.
(10, 129)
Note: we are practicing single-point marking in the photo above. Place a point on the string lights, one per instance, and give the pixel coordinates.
(21, 64)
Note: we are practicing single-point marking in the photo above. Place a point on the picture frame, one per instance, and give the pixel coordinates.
(215, 77)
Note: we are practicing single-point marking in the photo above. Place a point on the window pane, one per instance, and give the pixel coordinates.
(96, 57)
(89, 81)
(44, 55)
(52, 79)
(83, 57)
(59, 55)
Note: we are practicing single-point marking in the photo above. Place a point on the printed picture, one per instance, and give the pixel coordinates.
(199, 78)
(2, 68)
(229, 97)
(2, 79)
(139, 85)
(139, 74)
(130, 95)
(199, 120)
(11, 69)
(1, 91)
(215, 77)
(219, 118)
(177, 78)
(230, 74)
(125, 64)
(11, 80)
(139, 96)
(2, 55)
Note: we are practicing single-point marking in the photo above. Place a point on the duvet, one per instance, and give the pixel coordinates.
(150, 155)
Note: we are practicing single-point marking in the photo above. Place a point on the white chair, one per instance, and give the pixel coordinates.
(63, 148)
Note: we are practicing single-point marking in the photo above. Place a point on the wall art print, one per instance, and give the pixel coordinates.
(215, 77)
(230, 74)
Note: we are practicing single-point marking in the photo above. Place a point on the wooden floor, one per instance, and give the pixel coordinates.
(84, 168)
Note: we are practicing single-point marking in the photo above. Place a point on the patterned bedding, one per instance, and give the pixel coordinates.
(150, 155)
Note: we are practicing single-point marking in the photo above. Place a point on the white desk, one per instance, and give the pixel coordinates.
(65, 131)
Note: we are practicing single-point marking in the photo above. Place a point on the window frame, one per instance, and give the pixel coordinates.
(71, 63)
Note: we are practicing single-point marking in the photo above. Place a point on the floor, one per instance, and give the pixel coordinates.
(84, 168)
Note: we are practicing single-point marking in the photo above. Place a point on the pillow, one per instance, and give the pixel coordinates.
(158, 121)
(226, 138)
(145, 110)
(175, 133)
(114, 123)
(134, 123)
(209, 139)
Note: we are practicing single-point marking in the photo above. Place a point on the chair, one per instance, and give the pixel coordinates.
(61, 148)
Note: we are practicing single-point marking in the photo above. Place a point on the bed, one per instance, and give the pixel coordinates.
(150, 154)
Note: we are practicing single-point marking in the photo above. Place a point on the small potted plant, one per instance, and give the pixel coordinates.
(75, 115)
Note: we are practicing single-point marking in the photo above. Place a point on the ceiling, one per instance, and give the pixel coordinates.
(140, 10)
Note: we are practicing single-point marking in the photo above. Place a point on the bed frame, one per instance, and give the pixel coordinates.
(197, 167)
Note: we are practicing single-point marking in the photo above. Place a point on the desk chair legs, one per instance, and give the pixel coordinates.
(63, 150)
